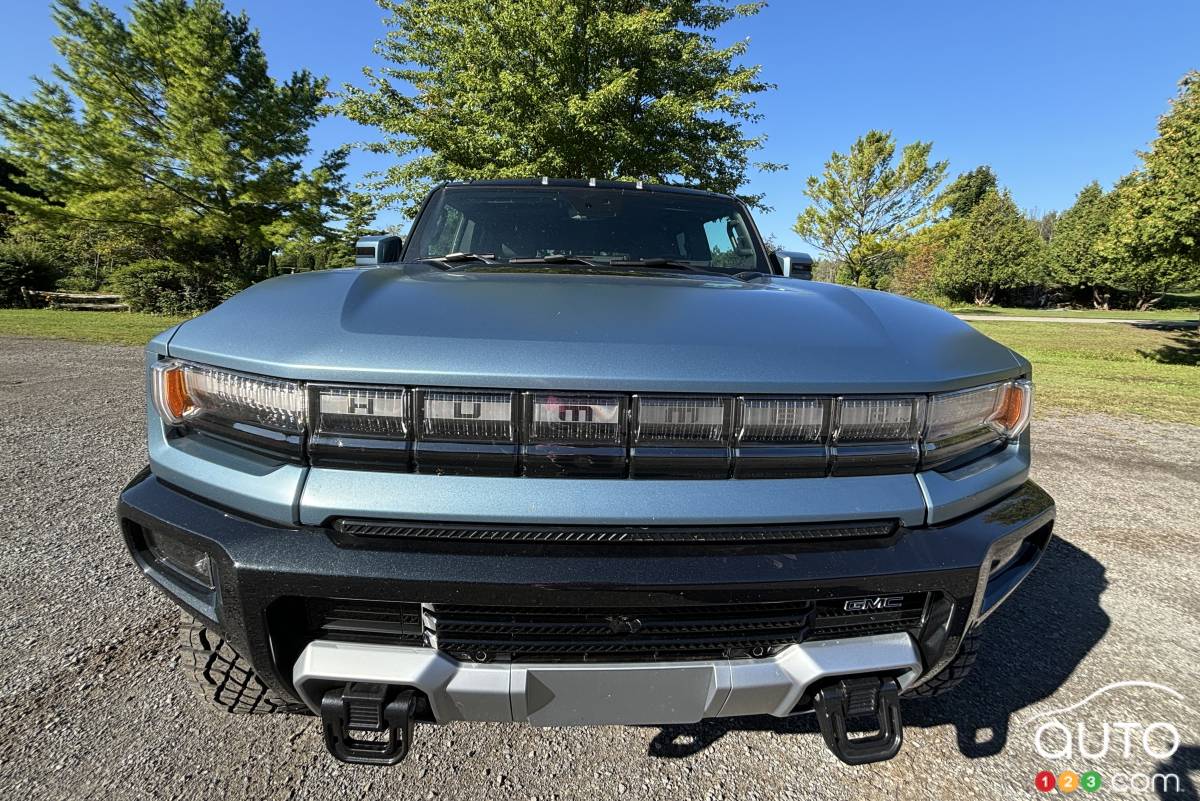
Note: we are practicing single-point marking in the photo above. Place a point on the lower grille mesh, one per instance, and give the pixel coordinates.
(592, 634)
(365, 621)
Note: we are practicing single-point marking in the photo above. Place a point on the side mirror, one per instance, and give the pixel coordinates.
(372, 250)
(795, 264)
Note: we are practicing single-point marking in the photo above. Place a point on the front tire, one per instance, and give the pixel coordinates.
(222, 677)
(953, 674)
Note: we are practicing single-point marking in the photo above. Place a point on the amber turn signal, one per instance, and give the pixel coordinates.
(1015, 407)
(171, 395)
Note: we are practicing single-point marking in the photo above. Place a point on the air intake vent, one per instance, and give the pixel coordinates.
(365, 621)
(874, 529)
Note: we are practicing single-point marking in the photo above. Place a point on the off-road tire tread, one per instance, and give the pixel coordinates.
(953, 674)
(221, 676)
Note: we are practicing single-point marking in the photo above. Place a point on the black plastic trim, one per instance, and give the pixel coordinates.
(679, 462)
(780, 461)
(258, 567)
(880, 458)
(573, 461)
(346, 451)
(272, 442)
(465, 458)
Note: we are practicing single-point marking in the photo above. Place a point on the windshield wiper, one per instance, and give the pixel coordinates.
(556, 258)
(674, 264)
(458, 258)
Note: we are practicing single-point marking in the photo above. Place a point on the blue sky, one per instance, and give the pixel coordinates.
(1052, 94)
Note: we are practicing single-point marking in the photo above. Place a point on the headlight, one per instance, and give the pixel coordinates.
(962, 421)
(260, 412)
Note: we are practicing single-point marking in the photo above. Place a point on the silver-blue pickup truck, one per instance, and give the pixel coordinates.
(580, 452)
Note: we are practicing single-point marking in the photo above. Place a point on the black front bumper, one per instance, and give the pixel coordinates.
(261, 569)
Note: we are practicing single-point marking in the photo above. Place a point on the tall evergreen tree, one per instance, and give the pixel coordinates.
(965, 192)
(995, 248)
(170, 124)
(566, 88)
(1155, 235)
(864, 205)
(1075, 259)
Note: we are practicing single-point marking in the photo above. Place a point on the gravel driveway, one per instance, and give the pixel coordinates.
(95, 707)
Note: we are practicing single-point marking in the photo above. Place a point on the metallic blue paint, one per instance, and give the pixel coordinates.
(415, 324)
(344, 493)
(419, 325)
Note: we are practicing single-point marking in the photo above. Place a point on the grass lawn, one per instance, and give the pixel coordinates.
(1116, 369)
(1008, 311)
(120, 328)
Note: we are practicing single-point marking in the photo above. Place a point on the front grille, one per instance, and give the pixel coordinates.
(584, 634)
(407, 530)
(832, 619)
(608, 634)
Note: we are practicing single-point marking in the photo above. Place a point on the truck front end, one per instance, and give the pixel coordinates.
(631, 475)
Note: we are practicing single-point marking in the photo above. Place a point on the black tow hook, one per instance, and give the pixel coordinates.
(856, 697)
(382, 709)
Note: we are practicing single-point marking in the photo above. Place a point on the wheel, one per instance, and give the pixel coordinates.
(952, 675)
(222, 677)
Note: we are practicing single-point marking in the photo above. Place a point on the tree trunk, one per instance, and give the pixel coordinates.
(1146, 303)
(233, 252)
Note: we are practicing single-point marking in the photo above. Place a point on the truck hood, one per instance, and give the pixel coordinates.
(569, 330)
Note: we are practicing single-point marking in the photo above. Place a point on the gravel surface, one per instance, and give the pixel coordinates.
(96, 707)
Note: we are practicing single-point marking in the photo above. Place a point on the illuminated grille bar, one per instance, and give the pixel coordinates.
(360, 426)
(877, 435)
(465, 432)
(590, 434)
(687, 421)
(782, 438)
(566, 419)
(467, 416)
(574, 434)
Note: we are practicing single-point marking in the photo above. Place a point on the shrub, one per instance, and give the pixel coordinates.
(160, 286)
(24, 262)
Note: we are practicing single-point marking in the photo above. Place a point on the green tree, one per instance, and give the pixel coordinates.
(169, 124)
(568, 88)
(996, 248)
(1155, 234)
(1075, 259)
(965, 192)
(925, 253)
(863, 205)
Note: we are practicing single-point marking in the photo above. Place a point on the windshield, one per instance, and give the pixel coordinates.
(595, 225)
